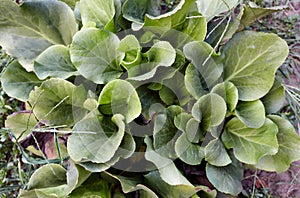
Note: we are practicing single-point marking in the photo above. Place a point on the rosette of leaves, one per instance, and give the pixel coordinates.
(132, 90)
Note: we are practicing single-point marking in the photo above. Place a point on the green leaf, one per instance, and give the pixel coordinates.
(204, 60)
(100, 12)
(193, 82)
(252, 12)
(167, 169)
(187, 151)
(119, 96)
(172, 19)
(54, 62)
(52, 180)
(160, 54)
(251, 113)
(181, 120)
(17, 82)
(29, 29)
(250, 144)
(132, 49)
(226, 179)
(94, 187)
(252, 69)
(212, 8)
(175, 88)
(96, 138)
(148, 98)
(216, 154)
(130, 184)
(94, 53)
(49, 175)
(58, 102)
(71, 3)
(288, 151)
(135, 10)
(165, 133)
(195, 27)
(275, 98)
(228, 92)
(193, 131)
(21, 123)
(166, 190)
(99, 167)
(125, 150)
(212, 109)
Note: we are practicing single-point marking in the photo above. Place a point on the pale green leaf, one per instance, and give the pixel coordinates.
(289, 145)
(58, 102)
(21, 123)
(226, 179)
(212, 8)
(160, 54)
(181, 120)
(167, 169)
(95, 138)
(17, 82)
(193, 131)
(120, 97)
(54, 62)
(251, 59)
(193, 82)
(250, 144)
(100, 12)
(49, 175)
(130, 184)
(94, 53)
(204, 60)
(175, 84)
(187, 151)
(99, 167)
(166, 190)
(275, 98)
(165, 133)
(71, 3)
(28, 29)
(228, 92)
(251, 113)
(212, 109)
(216, 154)
(132, 49)
(94, 186)
(195, 28)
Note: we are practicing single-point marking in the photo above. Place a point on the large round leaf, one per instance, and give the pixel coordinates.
(119, 96)
(58, 102)
(251, 59)
(17, 82)
(29, 29)
(252, 113)
(212, 108)
(275, 99)
(216, 154)
(228, 92)
(96, 139)
(250, 144)
(289, 146)
(226, 179)
(94, 53)
(98, 11)
(54, 62)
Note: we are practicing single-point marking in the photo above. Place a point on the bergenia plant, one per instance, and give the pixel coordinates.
(129, 98)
